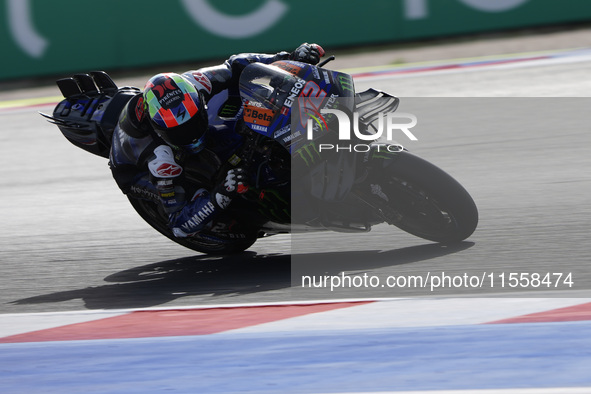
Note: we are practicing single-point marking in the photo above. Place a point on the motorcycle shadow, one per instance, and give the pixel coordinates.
(241, 278)
(335, 263)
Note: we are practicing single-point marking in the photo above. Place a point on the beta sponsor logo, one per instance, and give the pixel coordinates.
(169, 170)
(202, 80)
(258, 116)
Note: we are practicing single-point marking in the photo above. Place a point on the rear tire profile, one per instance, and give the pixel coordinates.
(426, 201)
(204, 242)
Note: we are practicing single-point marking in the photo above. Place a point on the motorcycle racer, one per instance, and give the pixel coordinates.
(187, 117)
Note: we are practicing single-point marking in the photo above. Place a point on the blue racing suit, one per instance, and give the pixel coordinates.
(144, 166)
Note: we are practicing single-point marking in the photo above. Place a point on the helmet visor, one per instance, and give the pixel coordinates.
(196, 146)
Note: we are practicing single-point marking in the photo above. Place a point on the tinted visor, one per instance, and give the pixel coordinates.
(186, 134)
(195, 146)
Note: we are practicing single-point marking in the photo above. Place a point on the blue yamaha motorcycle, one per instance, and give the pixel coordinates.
(302, 176)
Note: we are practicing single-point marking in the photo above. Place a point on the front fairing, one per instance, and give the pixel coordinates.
(279, 98)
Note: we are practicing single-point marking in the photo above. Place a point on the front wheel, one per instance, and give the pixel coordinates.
(204, 242)
(425, 201)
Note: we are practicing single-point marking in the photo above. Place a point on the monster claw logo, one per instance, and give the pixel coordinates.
(308, 153)
(346, 83)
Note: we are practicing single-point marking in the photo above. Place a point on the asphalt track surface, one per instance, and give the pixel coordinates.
(70, 240)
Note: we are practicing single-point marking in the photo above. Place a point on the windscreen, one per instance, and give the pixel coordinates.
(281, 99)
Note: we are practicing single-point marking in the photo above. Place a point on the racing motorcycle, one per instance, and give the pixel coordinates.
(296, 185)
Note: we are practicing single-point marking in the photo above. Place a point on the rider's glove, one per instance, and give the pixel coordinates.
(233, 185)
(307, 53)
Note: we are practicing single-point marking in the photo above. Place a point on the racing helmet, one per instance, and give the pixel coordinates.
(176, 110)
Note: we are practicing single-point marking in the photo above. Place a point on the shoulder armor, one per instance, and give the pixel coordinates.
(162, 165)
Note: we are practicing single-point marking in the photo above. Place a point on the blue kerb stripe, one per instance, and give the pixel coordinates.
(460, 357)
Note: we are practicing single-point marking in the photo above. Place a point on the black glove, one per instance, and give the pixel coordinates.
(233, 185)
(307, 53)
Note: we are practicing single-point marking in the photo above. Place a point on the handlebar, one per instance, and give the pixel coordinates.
(328, 59)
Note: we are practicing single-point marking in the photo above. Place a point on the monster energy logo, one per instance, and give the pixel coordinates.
(385, 154)
(309, 153)
(382, 156)
(274, 207)
(346, 82)
(228, 111)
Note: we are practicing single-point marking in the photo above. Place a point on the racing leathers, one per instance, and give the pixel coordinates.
(145, 167)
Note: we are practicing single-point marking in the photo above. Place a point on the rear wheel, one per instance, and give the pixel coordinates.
(204, 242)
(425, 201)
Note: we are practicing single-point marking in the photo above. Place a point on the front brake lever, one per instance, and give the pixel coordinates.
(328, 59)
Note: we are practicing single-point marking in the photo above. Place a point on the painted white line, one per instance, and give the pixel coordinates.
(411, 70)
(378, 313)
(22, 323)
(415, 313)
(463, 66)
(550, 390)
